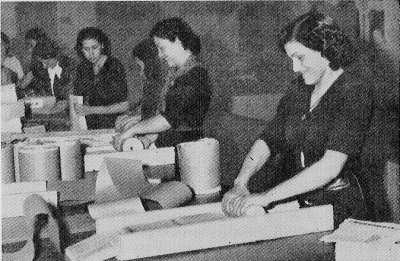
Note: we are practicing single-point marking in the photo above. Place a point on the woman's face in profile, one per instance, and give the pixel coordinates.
(91, 49)
(306, 61)
(169, 51)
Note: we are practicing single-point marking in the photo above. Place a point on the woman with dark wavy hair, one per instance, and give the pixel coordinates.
(100, 79)
(186, 95)
(319, 127)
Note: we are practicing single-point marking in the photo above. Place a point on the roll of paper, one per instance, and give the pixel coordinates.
(7, 163)
(199, 165)
(39, 162)
(169, 194)
(132, 144)
(71, 160)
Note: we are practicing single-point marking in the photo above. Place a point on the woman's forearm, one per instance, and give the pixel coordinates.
(155, 124)
(316, 176)
(111, 109)
(255, 159)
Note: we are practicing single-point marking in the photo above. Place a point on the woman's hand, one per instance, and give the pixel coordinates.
(148, 139)
(232, 198)
(82, 110)
(239, 202)
(119, 139)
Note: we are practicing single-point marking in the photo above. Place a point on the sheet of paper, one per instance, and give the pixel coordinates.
(358, 231)
(78, 122)
(120, 179)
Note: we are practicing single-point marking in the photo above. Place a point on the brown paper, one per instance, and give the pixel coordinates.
(169, 194)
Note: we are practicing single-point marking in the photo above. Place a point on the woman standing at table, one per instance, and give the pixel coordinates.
(319, 128)
(185, 98)
(145, 55)
(100, 79)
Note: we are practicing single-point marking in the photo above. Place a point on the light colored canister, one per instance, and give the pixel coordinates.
(199, 165)
(39, 162)
(71, 160)
(7, 163)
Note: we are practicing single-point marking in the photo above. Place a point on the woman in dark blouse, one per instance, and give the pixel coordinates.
(100, 79)
(145, 55)
(319, 127)
(186, 95)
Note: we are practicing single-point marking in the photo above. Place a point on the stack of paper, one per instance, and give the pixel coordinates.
(367, 241)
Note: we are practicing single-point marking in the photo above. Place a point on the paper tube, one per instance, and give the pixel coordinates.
(116, 208)
(34, 205)
(39, 162)
(7, 163)
(199, 165)
(132, 144)
(78, 122)
(71, 160)
(169, 194)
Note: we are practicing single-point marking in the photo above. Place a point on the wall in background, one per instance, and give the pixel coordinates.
(238, 37)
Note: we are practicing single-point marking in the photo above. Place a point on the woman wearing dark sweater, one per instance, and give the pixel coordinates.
(186, 95)
(100, 79)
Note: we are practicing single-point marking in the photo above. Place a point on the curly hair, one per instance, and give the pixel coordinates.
(320, 33)
(175, 27)
(96, 34)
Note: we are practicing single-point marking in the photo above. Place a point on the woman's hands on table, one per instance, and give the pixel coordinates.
(238, 200)
(82, 110)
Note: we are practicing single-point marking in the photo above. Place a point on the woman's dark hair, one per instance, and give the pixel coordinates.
(174, 28)
(37, 34)
(92, 33)
(6, 41)
(46, 50)
(147, 52)
(319, 33)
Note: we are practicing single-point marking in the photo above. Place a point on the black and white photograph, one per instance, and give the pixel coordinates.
(200, 130)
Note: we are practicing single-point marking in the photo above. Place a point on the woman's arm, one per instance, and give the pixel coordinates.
(255, 159)
(155, 124)
(311, 178)
(83, 110)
